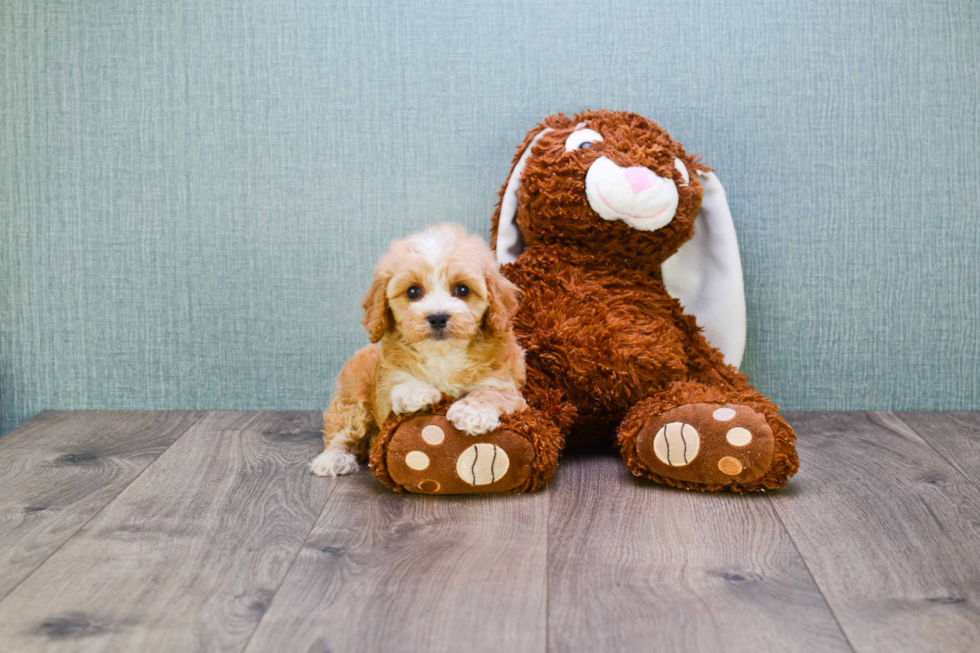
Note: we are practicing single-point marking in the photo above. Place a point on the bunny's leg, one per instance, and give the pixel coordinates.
(702, 436)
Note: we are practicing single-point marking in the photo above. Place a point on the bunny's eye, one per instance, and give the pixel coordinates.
(582, 139)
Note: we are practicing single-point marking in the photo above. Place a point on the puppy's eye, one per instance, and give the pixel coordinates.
(582, 139)
(461, 291)
(414, 292)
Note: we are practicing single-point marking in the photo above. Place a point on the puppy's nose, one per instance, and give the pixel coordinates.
(639, 178)
(438, 320)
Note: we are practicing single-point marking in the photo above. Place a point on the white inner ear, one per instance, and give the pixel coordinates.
(705, 275)
(681, 168)
(509, 243)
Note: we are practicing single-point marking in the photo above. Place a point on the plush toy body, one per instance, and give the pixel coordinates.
(589, 227)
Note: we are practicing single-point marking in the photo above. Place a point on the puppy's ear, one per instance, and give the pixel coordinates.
(504, 297)
(377, 317)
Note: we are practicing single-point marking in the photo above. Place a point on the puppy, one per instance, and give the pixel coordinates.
(439, 313)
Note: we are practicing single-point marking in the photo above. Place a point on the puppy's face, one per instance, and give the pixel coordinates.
(439, 286)
(436, 292)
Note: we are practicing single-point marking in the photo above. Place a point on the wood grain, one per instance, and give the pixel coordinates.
(890, 531)
(204, 550)
(61, 468)
(189, 556)
(956, 436)
(638, 567)
(389, 572)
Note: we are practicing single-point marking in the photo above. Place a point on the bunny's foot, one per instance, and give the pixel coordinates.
(713, 444)
(429, 455)
(710, 445)
(426, 454)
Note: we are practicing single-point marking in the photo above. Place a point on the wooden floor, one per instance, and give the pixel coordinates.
(180, 531)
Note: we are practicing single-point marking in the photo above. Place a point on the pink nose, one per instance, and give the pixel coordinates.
(640, 178)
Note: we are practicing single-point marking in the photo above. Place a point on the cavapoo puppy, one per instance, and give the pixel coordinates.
(438, 312)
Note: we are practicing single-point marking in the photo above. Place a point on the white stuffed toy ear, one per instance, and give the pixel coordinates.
(509, 243)
(705, 275)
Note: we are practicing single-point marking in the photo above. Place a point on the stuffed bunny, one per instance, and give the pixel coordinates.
(632, 320)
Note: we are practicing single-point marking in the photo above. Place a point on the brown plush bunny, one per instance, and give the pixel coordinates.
(590, 226)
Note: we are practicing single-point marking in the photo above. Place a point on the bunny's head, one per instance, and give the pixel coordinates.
(616, 187)
(611, 183)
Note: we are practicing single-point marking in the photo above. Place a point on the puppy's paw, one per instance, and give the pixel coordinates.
(413, 399)
(474, 419)
(333, 463)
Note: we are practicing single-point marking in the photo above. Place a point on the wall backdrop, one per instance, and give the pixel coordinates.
(193, 192)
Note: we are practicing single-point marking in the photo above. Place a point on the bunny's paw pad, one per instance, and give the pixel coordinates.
(711, 444)
(428, 455)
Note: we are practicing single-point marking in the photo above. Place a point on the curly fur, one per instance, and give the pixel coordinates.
(472, 356)
(600, 332)
(607, 349)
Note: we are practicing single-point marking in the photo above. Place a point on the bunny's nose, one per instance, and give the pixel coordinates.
(640, 179)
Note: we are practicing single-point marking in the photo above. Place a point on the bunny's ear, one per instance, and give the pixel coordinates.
(507, 239)
(705, 274)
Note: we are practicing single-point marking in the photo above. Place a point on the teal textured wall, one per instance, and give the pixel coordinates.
(193, 193)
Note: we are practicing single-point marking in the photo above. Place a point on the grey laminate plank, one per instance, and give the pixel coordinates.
(638, 567)
(189, 556)
(394, 572)
(890, 532)
(956, 436)
(61, 468)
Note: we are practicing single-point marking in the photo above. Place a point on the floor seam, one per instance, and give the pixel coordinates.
(806, 566)
(292, 563)
(547, 574)
(107, 504)
(939, 453)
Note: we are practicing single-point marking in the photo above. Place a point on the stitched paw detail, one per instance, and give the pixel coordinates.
(676, 444)
(430, 455)
(482, 464)
(711, 444)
